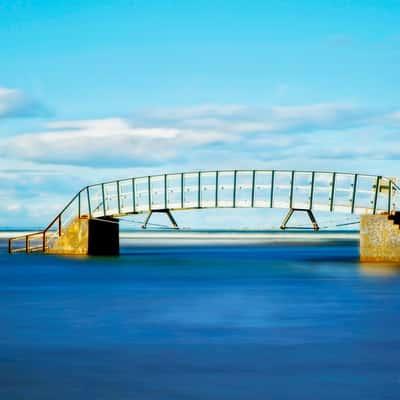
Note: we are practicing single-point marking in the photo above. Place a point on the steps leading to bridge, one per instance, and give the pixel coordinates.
(380, 238)
(74, 240)
(81, 236)
(88, 236)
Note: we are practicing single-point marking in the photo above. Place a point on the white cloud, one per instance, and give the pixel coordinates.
(15, 104)
(13, 207)
(105, 141)
(207, 133)
(188, 113)
(242, 119)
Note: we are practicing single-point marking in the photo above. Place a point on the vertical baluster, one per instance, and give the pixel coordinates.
(378, 178)
(104, 199)
(88, 198)
(312, 189)
(149, 192)
(118, 198)
(253, 182)
(133, 196)
(216, 188)
(353, 197)
(234, 188)
(291, 190)
(182, 194)
(271, 200)
(198, 190)
(165, 191)
(332, 191)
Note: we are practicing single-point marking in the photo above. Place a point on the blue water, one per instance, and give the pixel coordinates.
(242, 321)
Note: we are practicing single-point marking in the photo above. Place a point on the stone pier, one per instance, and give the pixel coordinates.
(380, 238)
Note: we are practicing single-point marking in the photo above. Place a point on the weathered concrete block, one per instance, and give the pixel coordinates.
(379, 239)
(85, 236)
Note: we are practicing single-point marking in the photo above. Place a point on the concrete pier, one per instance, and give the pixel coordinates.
(88, 236)
(380, 238)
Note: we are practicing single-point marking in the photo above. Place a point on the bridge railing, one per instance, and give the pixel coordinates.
(309, 190)
(324, 191)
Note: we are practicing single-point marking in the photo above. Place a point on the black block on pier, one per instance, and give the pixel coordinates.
(103, 237)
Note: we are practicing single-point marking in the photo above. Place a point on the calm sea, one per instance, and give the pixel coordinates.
(216, 317)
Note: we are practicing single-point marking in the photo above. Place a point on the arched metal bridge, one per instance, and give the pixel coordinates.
(292, 190)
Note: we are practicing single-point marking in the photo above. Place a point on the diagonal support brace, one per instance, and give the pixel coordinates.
(165, 211)
(310, 214)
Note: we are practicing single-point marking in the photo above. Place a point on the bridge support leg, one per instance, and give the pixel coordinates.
(310, 214)
(146, 221)
(167, 212)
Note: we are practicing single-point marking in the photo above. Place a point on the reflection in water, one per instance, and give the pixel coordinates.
(380, 269)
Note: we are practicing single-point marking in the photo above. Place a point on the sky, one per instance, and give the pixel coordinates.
(98, 90)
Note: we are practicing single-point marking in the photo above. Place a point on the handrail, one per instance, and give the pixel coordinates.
(62, 211)
(27, 235)
(233, 170)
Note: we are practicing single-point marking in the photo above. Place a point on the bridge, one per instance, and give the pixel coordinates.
(98, 207)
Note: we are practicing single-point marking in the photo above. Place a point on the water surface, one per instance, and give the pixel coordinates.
(214, 319)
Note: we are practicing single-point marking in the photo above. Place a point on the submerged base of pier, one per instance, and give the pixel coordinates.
(89, 236)
(380, 238)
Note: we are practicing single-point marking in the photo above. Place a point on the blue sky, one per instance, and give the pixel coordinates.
(98, 90)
